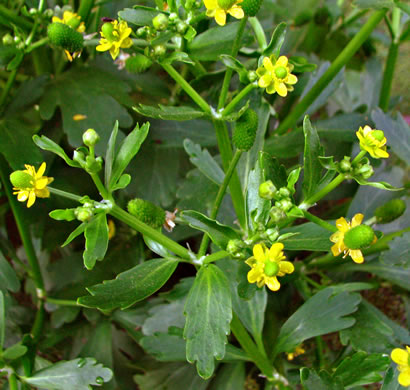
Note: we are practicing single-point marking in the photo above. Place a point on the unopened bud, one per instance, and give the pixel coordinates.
(90, 137)
(272, 234)
(284, 204)
(235, 248)
(160, 22)
(7, 39)
(83, 214)
(267, 190)
(345, 166)
(276, 214)
(284, 192)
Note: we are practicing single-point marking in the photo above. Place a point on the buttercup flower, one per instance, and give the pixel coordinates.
(115, 36)
(373, 142)
(275, 75)
(29, 184)
(71, 19)
(402, 358)
(351, 237)
(299, 350)
(219, 8)
(267, 265)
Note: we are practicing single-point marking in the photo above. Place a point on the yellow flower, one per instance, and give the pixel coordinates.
(115, 36)
(402, 358)
(298, 351)
(71, 19)
(219, 8)
(29, 184)
(275, 75)
(373, 142)
(351, 237)
(267, 265)
(111, 229)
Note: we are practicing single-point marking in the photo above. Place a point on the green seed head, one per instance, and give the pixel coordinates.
(90, 137)
(390, 211)
(21, 179)
(271, 268)
(138, 63)
(147, 212)
(245, 130)
(281, 72)
(378, 134)
(66, 37)
(359, 237)
(226, 4)
(107, 29)
(251, 7)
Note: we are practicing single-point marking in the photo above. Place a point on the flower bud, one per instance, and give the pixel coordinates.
(276, 214)
(142, 32)
(90, 137)
(181, 27)
(267, 190)
(345, 165)
(252, 76)
(160, 22)
(159, 50)
(284, 204)
(284, 192)
(173, 16)
(235, 248)
(272, 234)
(359, 237)
(390, 211)
(147, 212)
(79, 157)
(21, 179)
(7, 39)
(83, 214)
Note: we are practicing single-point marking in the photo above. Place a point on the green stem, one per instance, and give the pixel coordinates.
(187, 88)
(62, 302)
(246, 342)
(229, 71)
(141, 227)
(37, 44)
(219, 197)
(228, 109)
(259, 32)
(359, 156)
(388, 76)
(319, 221)
(13, 385)
(100, 187)
(341, 60)
(216, 256)
(85, 9)
(64, 194)
(11, 17)
(319, 351)
(224, 145)
(37, 328)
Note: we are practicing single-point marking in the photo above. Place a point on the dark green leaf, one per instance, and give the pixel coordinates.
(128, 149)
(230, 377)
(8, 278)
(180, 113)
(130, 286)
(276, 42)
(323, 313)
(312, 167)
(322, 381)
(272, 170)
(63, 215)
(208, 311)
(399, 252)
(110, 154)
(139, 15)
(77, 374)
(237, 66)
(96, 240)
(361, 369)
(301, 64)
(309, 237)
(64, 315)
(218, 233)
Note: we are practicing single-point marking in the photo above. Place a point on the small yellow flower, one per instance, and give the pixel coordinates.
(79, 117)
(218, 9)
(115, 36)
(373, 142)
(71, 19)
(267, 265)
(29, 184)
(111, 229)
(299, 350)
(402, 358)
(275, 75)
(351, 237)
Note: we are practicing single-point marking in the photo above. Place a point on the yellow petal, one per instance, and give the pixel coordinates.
(275, 251)
(400, 356)
(114, 51)
(22, 196)
(291, 79)
(220, 16)
(286, 267)
(271, 88)
(55, 19)
(356, 255)
(281, 88)
(236, 12)
(336, 237)
(211, 4)
(41, 183)
(104, 45)
(342, 225)
(44, 193)
(251, 261)
(338, 248)
(282, 61)
(126, 43)
(259, 252)
(272, 283)
(267, 63)
(357, 220)
(404, 378)
(31, 199)
(254, 275)
(260, 283)
(265, 81)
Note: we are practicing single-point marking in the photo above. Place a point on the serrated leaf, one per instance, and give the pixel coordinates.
(180, 113)
(361, 369)
(204, 162)
(128, 149)
(324, 312)
(8, 278)
(208, 311)
(312, 167)
(311, 380)
(63, 215)
(309, 237)
(130, 286)
(77, 374)
(276, 41)
(96, 240)
(218, 233)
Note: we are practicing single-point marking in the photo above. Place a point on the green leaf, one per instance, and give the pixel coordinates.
(122, 182)
(218, 233)
(311, 164)
(204, 162)
(77, 374)
(403, 6)
(230, 377)
(311, 380)
(110, 155)
(96, 240)
(375, 4)
(139, 15)
(272, 170)
(130, 286)
(361, 369)
(74, 234)
(208, 311)
(378, 184)
(2, 320)
(399, 252)
(301, 64)
(14, 352)
(276, 41)
(180, 113)
(63, 215)
(8, 278)
(237, 66)
(309, 237)
(391, 381)
(324, 312)
(385, 334)
(128, 149)
(178, 56)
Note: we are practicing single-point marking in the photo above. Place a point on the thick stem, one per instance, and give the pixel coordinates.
(259, 32)
(219, 197)
(13, 384)
(388, 76)
(341, 60)
(229, 108)
(319, 221)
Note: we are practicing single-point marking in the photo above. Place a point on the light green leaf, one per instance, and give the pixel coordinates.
(403, 6)
(230, 377)
(204, 162)
(311, 380)
(180, 113)
(377, 184)
(324, 312)
(208, 311)
(122, 182)
(8, 278)
(139, 15)
(130, 286)
(311, 164)
(77, 374)
(14, 352)
(218, 233)
(309, 237)
(361, 369)
(110, 155)
(63, 215)
(128, 149)
(178, 56)
(96, 240)
(276, 41)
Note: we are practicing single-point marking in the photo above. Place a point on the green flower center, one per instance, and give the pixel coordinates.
(226, 4)
(108, 30)
(359, 237)
(21, 179)
(281, 72)
(271, 268)
(378, 134)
